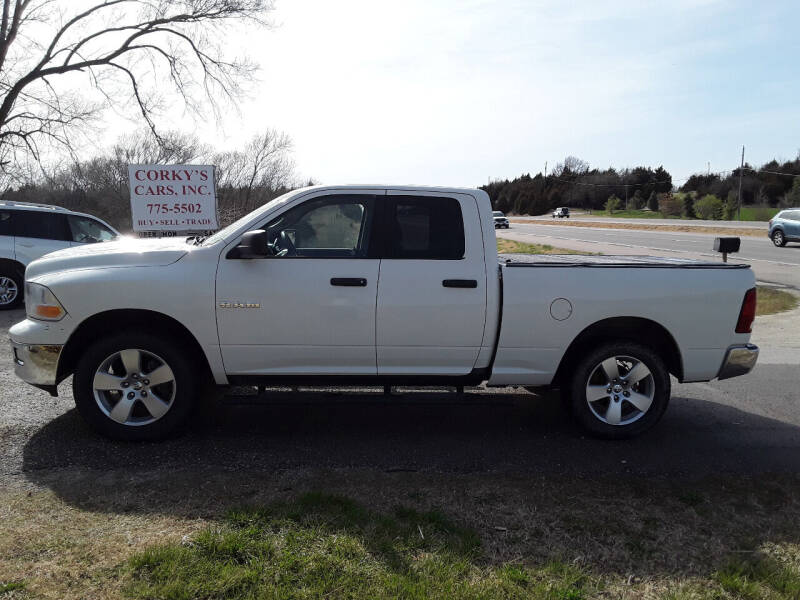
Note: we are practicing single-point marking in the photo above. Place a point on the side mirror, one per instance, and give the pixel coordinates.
(252, 245)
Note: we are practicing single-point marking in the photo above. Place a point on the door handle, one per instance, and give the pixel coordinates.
(25, 245)
(460, 283)
(349, 281)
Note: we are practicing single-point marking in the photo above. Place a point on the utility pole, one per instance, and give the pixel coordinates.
(626, 196)
(739, 203)
(545, 172)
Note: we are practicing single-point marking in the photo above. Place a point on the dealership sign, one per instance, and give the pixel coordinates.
(173, 198)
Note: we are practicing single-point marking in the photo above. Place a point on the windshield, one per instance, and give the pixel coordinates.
(222, 233)
(497, 213)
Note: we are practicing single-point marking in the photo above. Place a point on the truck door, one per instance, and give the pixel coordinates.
(431, 306)
(310, 308)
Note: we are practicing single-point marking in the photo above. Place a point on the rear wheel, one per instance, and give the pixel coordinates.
(778, 238)
(619, 390)
(11, 283)
(135, 386)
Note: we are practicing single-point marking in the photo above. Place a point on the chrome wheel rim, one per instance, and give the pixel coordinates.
(134, 387)
(8, 290)
(620, 390)
(777, 238)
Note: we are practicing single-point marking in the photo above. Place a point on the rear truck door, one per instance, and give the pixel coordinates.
(431, 308)
(310, 309)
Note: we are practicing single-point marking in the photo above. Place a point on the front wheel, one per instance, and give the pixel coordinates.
(778, 238)
(619, 390)
(135, 386)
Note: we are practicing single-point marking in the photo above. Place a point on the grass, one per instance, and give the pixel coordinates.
(325, 546)
(702, 227)
(408, 535)
(758, 213)
(630, 214)
(11, 586)
(749, 213)
(506, 246)
(772, 300)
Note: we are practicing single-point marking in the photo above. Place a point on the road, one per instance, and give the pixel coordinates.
(771, 264)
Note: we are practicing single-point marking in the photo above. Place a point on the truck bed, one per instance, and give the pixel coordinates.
(611, 261)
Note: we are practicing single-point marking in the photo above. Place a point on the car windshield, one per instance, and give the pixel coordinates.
(497, 213)
(222, 233)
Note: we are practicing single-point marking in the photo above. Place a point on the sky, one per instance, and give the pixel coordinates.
(457, 92)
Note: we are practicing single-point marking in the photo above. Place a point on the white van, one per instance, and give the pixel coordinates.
(29, 231)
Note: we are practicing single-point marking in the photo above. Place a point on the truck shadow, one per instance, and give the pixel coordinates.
(704, 481)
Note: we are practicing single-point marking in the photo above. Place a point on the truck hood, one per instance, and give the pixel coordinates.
(127, 252)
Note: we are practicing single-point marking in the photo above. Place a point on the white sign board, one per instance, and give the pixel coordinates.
(173, 197)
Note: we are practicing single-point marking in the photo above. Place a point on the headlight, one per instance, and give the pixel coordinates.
(41, 303)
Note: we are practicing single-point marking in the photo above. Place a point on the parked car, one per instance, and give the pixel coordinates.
(378, 286)
(500, 220)
(785, 227)
(29, 231)
(561, 212)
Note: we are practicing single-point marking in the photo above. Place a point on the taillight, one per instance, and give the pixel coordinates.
(748, 312)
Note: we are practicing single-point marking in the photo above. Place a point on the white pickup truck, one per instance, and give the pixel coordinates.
(376, 286)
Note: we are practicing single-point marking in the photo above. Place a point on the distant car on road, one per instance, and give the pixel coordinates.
(785, 227)
(29, 231)
(561, 212)
(500, 220)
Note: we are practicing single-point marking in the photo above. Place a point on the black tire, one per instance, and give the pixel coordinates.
(638, 421)
(152, 347)
(12, 275)
(779, 238)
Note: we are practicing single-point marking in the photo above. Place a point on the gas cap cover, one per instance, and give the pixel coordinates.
(560, 309)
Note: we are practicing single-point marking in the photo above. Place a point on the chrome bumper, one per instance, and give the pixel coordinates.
(37, 364)
(739, 360)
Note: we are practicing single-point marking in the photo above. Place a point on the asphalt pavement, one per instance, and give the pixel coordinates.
(748, 425)
(770, 264)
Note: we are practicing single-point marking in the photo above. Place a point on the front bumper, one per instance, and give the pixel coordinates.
(37, 364)
(739, 360)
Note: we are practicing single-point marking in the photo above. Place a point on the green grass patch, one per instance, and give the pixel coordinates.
(758, 213)
(506, 246)
(631, 214)
(772, 301)
(323, 546)
(11, 586)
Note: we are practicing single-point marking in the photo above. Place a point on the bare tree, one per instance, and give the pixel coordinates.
(250, 177)
(131, 52)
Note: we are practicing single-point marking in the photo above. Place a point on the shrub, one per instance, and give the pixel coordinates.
(709, 207)
(638, 200)
(731, 204)
(612, 204)
(670, 206)
(652, 201)
(688, 206)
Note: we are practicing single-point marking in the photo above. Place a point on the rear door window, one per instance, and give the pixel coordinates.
(424, 228)
(41, 224)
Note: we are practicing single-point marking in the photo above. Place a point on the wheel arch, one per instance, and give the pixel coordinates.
(126, 319)
(633, 329)
(13, 264)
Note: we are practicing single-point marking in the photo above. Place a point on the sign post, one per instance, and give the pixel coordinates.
(172, 199)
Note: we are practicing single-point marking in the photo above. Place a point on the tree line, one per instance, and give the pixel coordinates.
(245, 178)
(573, 183)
